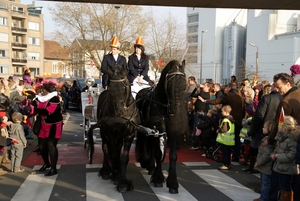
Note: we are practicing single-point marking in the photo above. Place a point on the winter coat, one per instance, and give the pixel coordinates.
(266, 111)
(199, 105)
(110, 62)
(291, 105)
(263, 159)
(138, 67)
(4, 102)
(295, 135)
(207, 127)
(237, 103)
(17, 132)
(286, 150)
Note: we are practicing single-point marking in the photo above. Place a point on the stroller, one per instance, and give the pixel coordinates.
(214, 152)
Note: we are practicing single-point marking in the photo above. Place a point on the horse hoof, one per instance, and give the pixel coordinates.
(105, 177)
(158, 185)
(173, 191)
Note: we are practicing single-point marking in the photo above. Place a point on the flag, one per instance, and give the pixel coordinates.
(255, 79)
(281, 117)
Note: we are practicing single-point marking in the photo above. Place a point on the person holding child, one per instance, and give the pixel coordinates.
(207, 128)
(284, 156)
(264, 163)
(17, 148)
(226, 136)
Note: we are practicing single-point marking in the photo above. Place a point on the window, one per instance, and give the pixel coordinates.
(3, 37)
(33, 56)
(192, 59)
(64, 69)
(192, 49)
(193, 39)
(54, 68)
(34, 41)
(34, 71)
(34, 26)
(19, 55)
(4, 69)
(193, 29)
(3, 21)
(3, 53)
(193, 18)
(3, 6)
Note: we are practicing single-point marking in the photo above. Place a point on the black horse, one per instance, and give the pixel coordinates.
(164, 111)
(118, 118)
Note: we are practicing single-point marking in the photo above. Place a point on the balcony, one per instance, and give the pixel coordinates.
(19, 30)
(16, 45)
(18, 61)
(18, 14)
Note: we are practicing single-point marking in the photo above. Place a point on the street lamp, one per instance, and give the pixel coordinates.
(117, 8)
(256, 71)
(202, 32)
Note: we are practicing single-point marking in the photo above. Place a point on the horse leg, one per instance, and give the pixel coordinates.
(125, 185)
(172, 183)
(105, 171)
(157, 178)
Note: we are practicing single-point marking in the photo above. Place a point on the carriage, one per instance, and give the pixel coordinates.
(89, 100)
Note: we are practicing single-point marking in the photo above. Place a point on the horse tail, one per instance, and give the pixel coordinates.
(141, 149)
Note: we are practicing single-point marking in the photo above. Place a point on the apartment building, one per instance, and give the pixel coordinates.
(21, 38)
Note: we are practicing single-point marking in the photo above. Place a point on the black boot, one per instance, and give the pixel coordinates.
(246, 158)
(51, 172)
(44, 167)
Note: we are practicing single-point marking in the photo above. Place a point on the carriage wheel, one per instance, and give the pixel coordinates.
(90, 152)
(216, 158)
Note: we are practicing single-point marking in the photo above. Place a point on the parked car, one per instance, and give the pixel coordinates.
(74, 92)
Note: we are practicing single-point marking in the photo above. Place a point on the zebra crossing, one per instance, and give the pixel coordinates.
(197, 181)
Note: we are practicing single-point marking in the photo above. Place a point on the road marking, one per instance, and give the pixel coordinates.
(163, 193)
(99, 165)
(99, 189)
(37, 167)
(226, 185)
(191, 164)
(35, 187)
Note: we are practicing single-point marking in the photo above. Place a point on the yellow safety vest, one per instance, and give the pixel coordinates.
(244, 131)
(228, 137)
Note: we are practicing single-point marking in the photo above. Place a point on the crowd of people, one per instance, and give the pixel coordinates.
(29, 106)
(255, 124)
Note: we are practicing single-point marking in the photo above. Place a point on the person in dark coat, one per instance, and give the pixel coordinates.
(112, 59)
(207, 127)
(237, 103)
(200, 107)
(138, 63)
(266, 111)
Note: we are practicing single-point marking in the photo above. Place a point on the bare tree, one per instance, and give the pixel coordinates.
(167, 41)
(97, 23)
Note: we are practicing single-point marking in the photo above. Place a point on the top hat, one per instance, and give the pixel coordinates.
(115, 42)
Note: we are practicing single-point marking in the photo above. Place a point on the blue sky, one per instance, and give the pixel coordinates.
(178, 12)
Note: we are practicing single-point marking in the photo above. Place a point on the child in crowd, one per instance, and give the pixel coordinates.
(284, 156)
(245, 139)
(207, 127)
(17, 133)
(226, 136)
(264, 163)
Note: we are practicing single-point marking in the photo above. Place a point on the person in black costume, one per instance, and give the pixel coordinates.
(138, 63)
(112, 59)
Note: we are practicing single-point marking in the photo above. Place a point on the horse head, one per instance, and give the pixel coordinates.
(119, 90)
(174, 85)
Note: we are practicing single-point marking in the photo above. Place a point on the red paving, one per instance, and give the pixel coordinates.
(72, 155)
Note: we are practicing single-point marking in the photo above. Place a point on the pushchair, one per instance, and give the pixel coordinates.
(214, 152)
